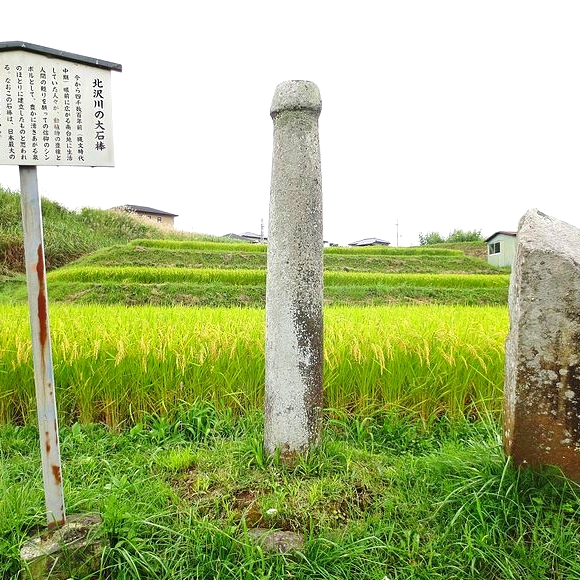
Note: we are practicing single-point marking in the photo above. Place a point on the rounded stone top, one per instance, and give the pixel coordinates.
(295, 96)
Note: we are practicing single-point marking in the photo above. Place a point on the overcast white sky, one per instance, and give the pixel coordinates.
(435, 114)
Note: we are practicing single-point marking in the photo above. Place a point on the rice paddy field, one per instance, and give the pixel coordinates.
(158, 351)
(140, 326)
(117, 364)
(222, 274)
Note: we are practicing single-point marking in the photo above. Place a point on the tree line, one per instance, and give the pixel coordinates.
(455, 236)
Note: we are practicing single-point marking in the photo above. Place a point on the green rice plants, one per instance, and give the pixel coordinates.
(423, 359)
(167, 253)
(129, 255)
(216, 294)
(221, 246)
(149, 275)
(225, 245)
(417, 280)
(393, 251)
(252, 277)
(118, 365)
(409, 263)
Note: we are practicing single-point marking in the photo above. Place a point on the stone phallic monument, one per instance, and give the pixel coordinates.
(294, 282)
(542, 371)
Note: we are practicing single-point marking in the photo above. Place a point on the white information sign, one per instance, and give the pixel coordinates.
(54, 112)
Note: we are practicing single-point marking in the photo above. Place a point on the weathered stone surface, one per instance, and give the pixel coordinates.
(72, 550)
(542, 369)
(276, 541)
(294, 282)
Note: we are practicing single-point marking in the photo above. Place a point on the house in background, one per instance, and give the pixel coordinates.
(256, 239)
(159, 217)
(247, 237)
(370, 242)
(501, 248)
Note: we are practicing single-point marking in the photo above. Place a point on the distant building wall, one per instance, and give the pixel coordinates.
(162, 220)
(501, 249)
(149, 214)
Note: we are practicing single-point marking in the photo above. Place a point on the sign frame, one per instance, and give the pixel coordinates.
(26, 119)
(55, 107)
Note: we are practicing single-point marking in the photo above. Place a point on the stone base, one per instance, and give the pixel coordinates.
(276, 540)
(71, 550)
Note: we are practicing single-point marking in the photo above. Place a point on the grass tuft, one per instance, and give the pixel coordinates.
(418, 499)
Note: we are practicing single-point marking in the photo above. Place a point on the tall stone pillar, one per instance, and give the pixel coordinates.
(294, 281)
(542, 369)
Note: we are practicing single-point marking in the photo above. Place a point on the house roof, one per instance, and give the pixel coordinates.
(505, 233)
(145, 209)
(246, 236)
(370, 242)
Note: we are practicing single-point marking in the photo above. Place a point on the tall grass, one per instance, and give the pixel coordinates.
(67, 234)
(115, 364)
(380, 498)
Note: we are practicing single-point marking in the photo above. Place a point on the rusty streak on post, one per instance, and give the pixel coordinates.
(42, 304)
(56, 473)
(56, 523)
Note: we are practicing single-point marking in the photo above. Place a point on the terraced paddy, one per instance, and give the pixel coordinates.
(171, 272)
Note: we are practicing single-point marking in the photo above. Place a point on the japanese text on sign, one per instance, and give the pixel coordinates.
(54, 112)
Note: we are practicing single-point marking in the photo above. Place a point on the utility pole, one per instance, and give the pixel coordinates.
(397, 224)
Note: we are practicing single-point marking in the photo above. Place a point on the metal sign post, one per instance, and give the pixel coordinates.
(55, 109)
(41, 346)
